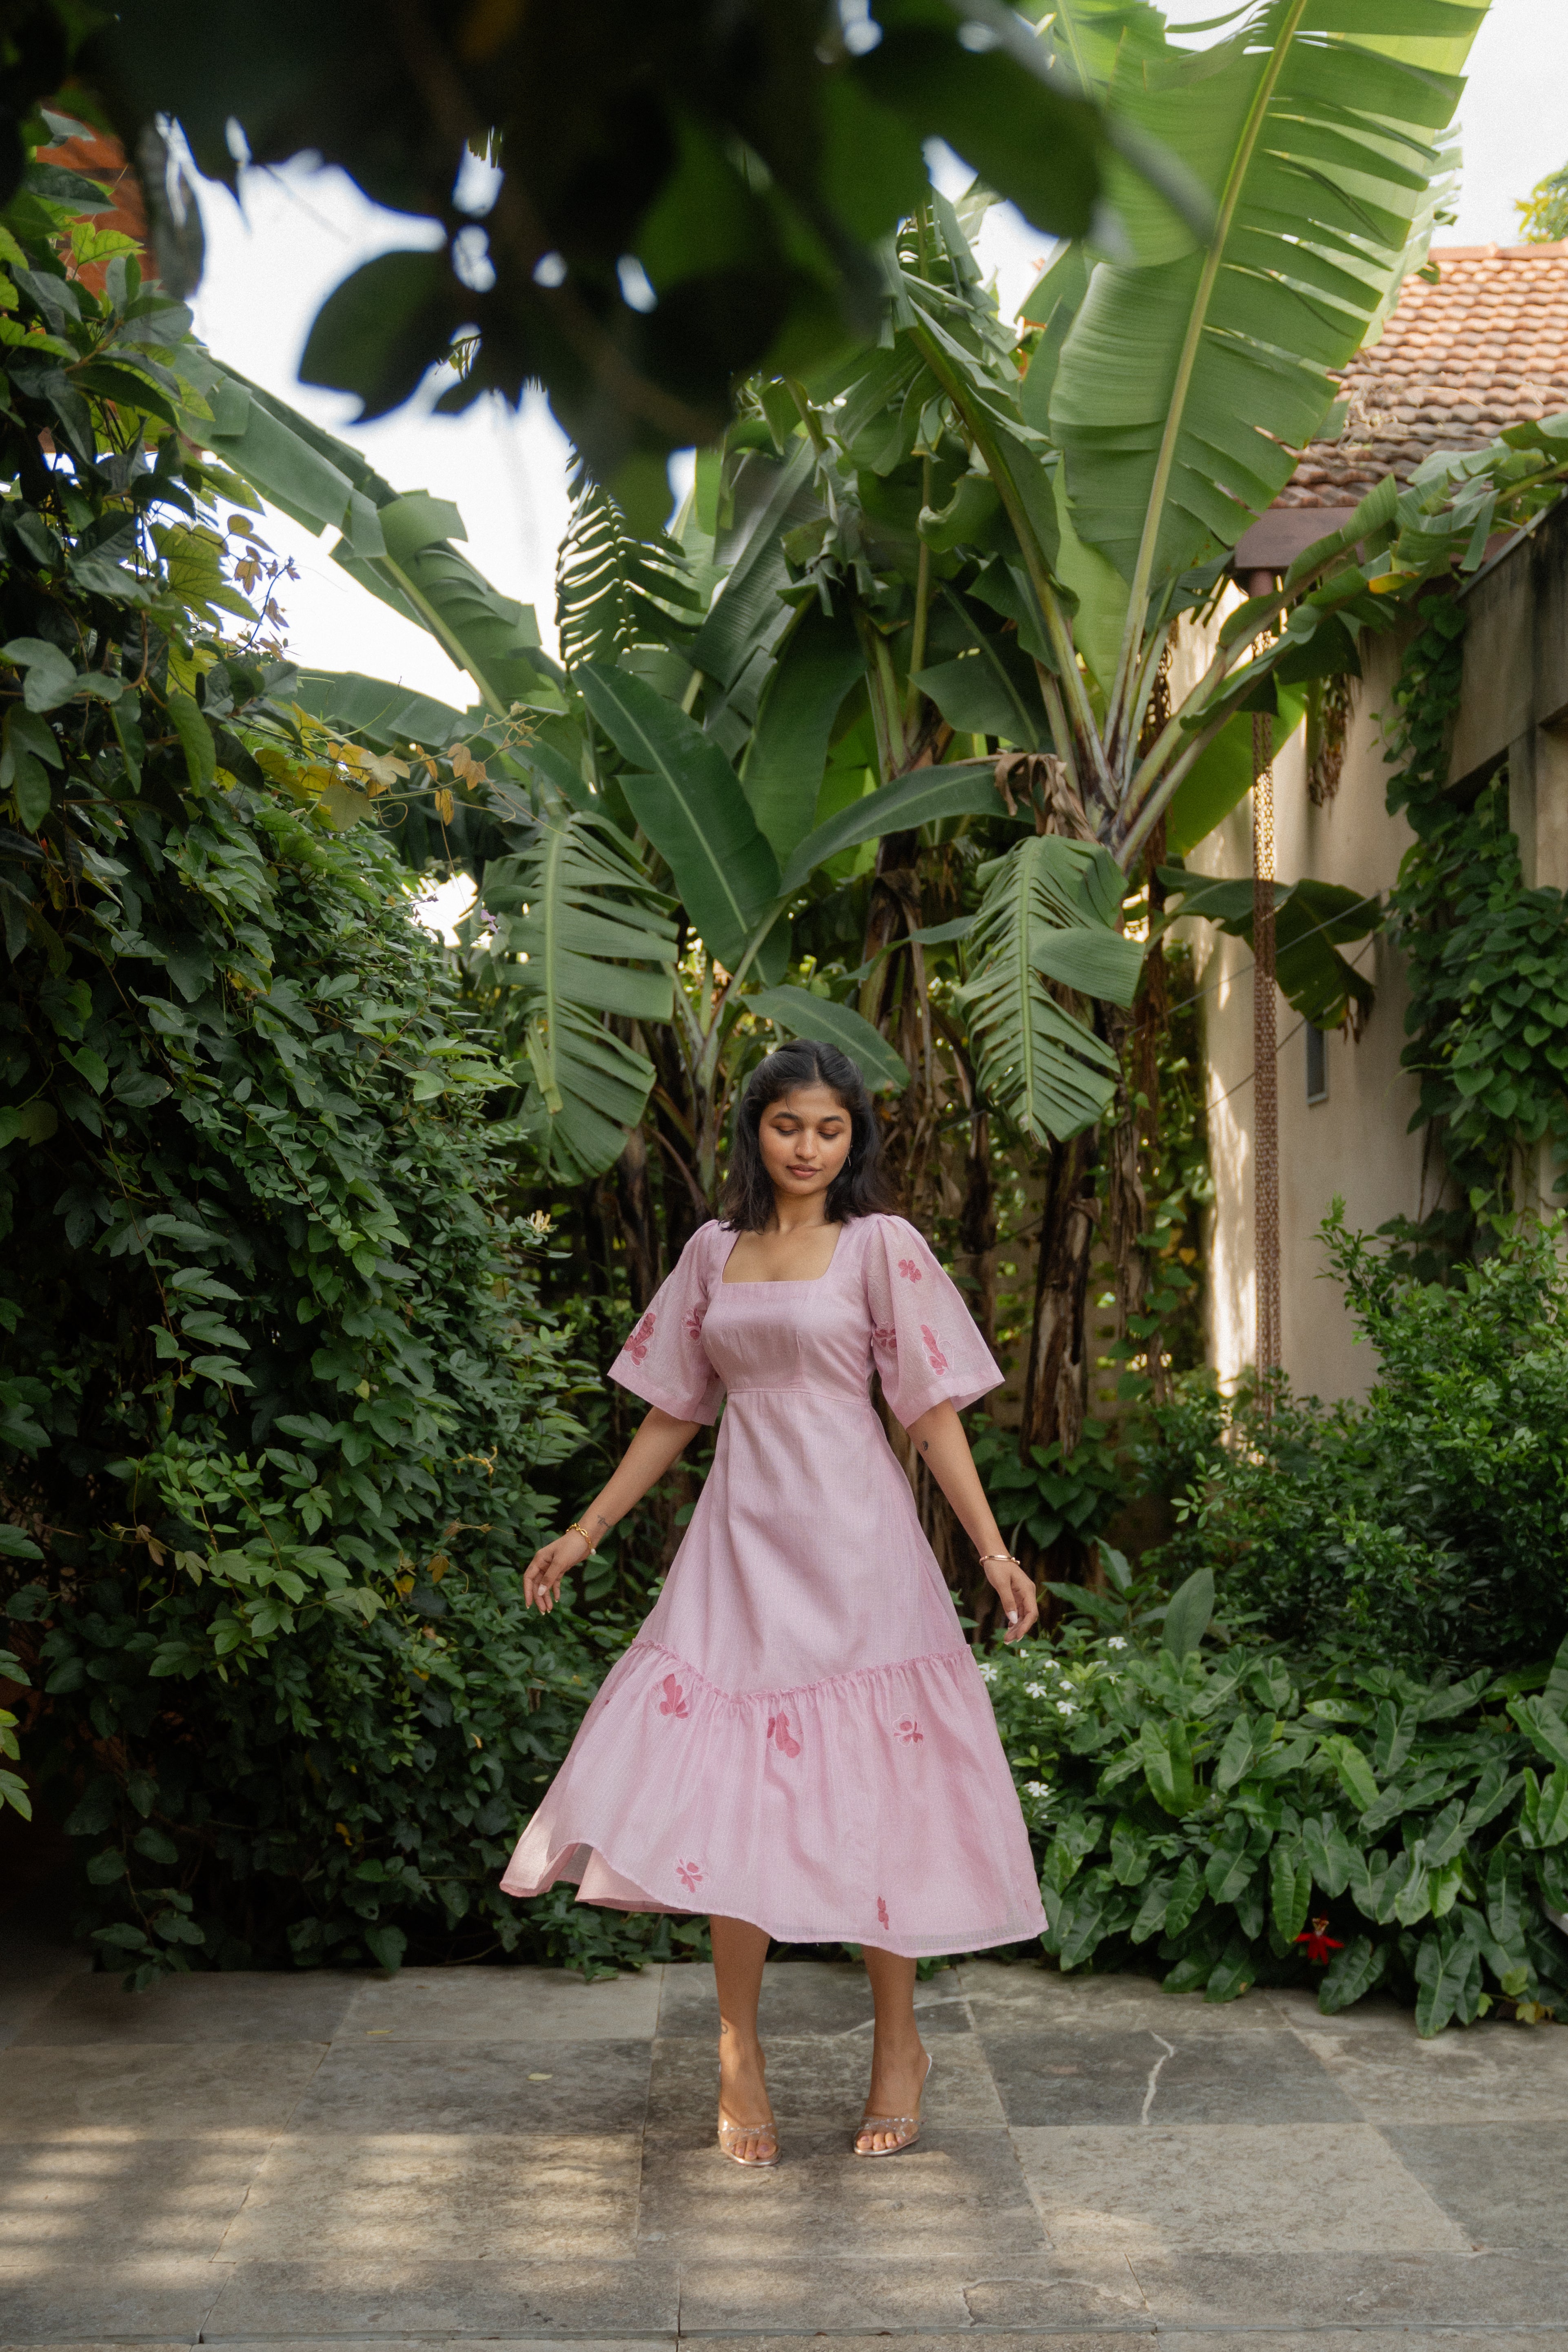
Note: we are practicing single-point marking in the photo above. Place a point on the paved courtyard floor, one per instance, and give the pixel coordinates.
(511, 2157)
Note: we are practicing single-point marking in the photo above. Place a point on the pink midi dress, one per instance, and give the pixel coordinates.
(799, 1736)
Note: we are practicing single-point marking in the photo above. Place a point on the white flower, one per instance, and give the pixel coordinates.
(1063, 1708)
(988, 1674)
(1036, 1789)
(1034, 1690)
(1116, 1643)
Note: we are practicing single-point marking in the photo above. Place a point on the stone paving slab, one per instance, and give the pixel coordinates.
(505, 2005)
(1059, 2075)
(514, 2157)
(493, 2297)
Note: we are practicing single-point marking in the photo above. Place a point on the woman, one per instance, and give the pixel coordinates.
(799, 1740)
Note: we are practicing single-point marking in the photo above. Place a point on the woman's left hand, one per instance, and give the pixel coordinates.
(1015, 1591)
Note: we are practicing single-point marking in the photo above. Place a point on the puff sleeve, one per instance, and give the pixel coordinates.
(664, 1361)
(923, 1339)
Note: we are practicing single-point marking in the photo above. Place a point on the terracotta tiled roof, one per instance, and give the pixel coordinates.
(1484, 347)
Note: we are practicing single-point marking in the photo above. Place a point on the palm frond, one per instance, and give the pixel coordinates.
(1047, 916)
(1190, 376)
(581, 933)
(616, 590)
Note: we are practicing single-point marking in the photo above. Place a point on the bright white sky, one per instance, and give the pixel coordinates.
(270, 263)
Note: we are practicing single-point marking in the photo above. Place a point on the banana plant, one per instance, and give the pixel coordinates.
(980, 538)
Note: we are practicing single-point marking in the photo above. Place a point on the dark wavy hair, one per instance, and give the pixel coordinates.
(860, 1188)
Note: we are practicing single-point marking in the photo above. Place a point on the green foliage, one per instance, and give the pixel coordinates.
(705, 190)
(1217, 1811)
(1427, 1525)
(275, 1386)
(1488, 959)
(1180, 349)
(1544, 214)
(1312, 922)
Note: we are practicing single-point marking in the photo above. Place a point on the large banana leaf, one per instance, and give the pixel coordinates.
(1189, 377)
(577, 929)
(799, 1013)
(922, 797)
(396, 545)
(788, 755)
(688, 800)
(1311, 921)
(1048, 914)
(747, 617)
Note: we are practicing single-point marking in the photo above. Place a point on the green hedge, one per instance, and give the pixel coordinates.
(279, 1402)
(1205, 1812)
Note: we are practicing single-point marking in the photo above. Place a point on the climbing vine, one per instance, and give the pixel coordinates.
(1487, 957)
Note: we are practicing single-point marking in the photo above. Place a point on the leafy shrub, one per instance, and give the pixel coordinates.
(1427, 1525)
(275, 1389)
(1216, 1814)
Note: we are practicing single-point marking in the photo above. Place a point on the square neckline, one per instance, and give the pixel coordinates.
(782, 1282)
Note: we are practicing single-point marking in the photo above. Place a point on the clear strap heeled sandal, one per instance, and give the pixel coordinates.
(730, 2134)
(907, 2127)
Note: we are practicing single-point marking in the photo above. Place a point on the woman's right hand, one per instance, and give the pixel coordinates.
(542, 1579)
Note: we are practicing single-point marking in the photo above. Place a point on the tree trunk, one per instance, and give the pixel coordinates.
(634, 1199)
(977, 1227)
(1056, 1374)
(1152, 1018)
(1126, 1203)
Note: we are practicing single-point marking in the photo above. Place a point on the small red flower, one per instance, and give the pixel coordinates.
(674, 1699)
(689, 1874)
(694, 1324)
(637, 1345)
(911, 1734)
(884, 1335)
(1320, 1943)
(934, 1356)
(910, 1270)
(881, 1912)
(784, 1740)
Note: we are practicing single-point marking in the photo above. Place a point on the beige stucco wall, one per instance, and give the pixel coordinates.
(1355, 1144)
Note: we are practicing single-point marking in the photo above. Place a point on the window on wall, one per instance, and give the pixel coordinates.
(1317, 1064)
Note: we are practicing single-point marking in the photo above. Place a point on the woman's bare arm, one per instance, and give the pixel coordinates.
(939, 1440)
(660, 1439)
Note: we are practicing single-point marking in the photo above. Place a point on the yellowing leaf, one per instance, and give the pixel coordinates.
(343, 807)
(384, 768)
(445, 806)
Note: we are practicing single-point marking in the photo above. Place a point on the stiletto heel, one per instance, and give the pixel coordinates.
(730, 2133)
(908, 2125)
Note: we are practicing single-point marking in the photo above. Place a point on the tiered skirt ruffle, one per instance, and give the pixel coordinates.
(874, 1807)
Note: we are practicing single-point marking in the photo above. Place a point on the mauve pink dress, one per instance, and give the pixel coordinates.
(799, 1735)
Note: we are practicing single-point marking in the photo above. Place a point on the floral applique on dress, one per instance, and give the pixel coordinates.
(674, 1699)
(693, 1323)
(783, 1738)
(934, 1356)
(637, 1345)
(689, 1874)
(910, 1270)
(910, 1732)
(882, 1919)
(884, 1335)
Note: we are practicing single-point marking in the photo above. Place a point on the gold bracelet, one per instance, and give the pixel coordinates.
(575, 1528)
(1011, 1557)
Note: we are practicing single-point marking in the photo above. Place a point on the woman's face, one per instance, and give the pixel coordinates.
(804, 1138)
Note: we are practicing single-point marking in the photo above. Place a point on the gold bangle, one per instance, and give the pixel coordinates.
(1011, 1557)
(575, 1528)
